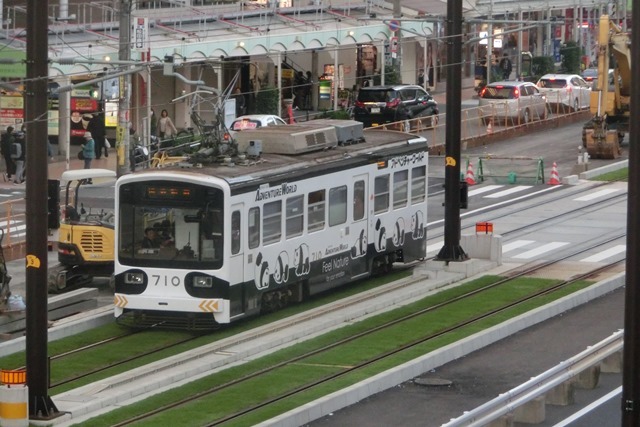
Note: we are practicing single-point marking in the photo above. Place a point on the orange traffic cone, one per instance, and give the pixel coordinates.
(470, 178)
(555, 178)
(490, 127)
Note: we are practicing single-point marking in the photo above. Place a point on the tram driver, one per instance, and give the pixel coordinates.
(150, 239)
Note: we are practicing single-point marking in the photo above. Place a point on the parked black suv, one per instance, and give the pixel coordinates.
(377, 105)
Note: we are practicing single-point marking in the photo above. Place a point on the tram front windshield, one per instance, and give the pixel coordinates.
(164, 224)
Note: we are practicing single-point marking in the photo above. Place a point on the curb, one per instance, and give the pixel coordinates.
(590, 174)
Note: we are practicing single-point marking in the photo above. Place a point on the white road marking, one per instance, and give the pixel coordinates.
(589, 408)
(515, 245)
(605, 254)
(435, 246)
(484, 189)
(508, 192)
(596, 195)
(541, 250)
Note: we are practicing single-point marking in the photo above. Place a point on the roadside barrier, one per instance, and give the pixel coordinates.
(14, 397)
(512, 170)
(470, 178)
(14, 225)
(477, 123)
(555, 178)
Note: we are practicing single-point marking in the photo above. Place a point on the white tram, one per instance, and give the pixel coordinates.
(239, 238)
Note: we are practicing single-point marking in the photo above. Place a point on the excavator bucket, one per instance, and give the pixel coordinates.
(603, 146)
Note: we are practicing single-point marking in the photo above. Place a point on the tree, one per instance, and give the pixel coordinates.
(571, 54)
(267, 101)
(542, 65)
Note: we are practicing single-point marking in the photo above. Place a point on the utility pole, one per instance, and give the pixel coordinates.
(41, 406)
(124, 106)
(489, 54)
(397, 62)
(631, 351)
(452, 251)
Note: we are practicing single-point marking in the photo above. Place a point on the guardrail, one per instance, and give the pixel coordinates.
(475, 123)
(536, 386)
(14, 225)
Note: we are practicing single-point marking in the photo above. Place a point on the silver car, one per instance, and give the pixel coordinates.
(565, 92)
(513, 102)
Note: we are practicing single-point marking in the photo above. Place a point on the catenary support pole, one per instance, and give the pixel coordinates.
(41, 407)
(631, 353)
(452, 251)
(124, 106)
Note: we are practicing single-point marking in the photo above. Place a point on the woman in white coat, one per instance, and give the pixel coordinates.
(166, 129)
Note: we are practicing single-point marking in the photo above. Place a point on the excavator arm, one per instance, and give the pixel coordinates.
(603, 134)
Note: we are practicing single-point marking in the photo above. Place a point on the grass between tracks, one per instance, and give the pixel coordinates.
(144, 342)
(335, 360)
(618, 175)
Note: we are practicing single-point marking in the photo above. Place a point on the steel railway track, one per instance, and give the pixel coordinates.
(523, 271)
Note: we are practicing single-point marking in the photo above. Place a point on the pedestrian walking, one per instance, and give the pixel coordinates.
(505, 66)
(18, 154)
(240, 102)
(153, 123)
(166, 127)
(5, 148)
(308, 87)
(96, 127)
(49, 150)
(421, 78)
(88, 150)
(299, 90)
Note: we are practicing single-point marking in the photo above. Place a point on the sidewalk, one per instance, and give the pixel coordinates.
(468, 91)
(58, 164)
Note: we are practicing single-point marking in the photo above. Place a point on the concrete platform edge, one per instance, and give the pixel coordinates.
(393, 377)
(88, 320)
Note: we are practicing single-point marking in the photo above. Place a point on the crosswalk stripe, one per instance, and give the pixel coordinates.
(605, 254)
(435, 246)
(509, 191)
(12, 223)
(515, 245)
(483, 189)
(597, 194)
(540, 250)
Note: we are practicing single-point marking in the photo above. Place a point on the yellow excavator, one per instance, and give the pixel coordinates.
(604, 133)
(86, 234)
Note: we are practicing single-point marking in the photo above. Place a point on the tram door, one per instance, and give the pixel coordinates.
(236, 259)
(359, 264)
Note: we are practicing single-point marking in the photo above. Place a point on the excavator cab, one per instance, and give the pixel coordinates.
(86, 234)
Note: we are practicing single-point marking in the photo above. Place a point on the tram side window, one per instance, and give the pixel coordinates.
(295, 216)
(418, 184)
(400, 189)
(235, 232)
(127, 229)
(358, 200)
(381, 194)
(316, 208)
(337, 205)
(272, 222)
(254, 228)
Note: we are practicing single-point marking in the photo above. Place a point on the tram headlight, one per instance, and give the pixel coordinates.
(133, 278)
(202, 282)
